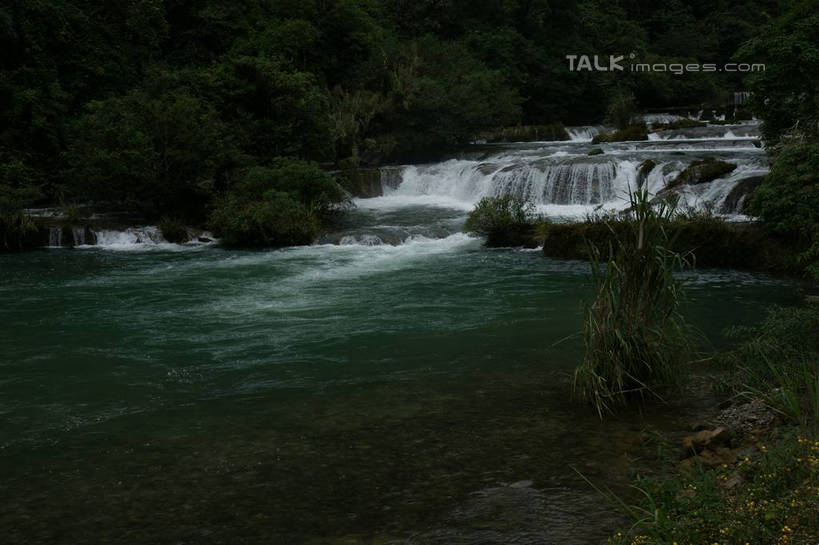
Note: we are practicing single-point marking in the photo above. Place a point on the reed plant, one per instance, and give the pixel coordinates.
(635, 339)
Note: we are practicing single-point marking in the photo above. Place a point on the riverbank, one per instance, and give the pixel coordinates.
(750, 472)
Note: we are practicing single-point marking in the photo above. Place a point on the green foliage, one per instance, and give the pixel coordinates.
(174, 231)
(622, 111)
(786, 93)
(634, 337)
(504, 221)
(787, 200)
(156, 154)
(18, 231)
(158, 107)
(275, 220)
(282, 205)
(779, 361)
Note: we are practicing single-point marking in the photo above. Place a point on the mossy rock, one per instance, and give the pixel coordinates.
(596, 151)
(702, 172)
(629, 134)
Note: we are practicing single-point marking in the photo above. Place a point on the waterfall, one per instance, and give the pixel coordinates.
(558, 180)
(582, 134)
(55, 237)
(79, 236)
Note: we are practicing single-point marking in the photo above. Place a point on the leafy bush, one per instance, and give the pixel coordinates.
(504, 221)
(174, 231)
(305, 181)
(779, 361)
(157, 154)
(274, 221)
(622, 111)
(282, 205)
(634, 337)
(787, 200)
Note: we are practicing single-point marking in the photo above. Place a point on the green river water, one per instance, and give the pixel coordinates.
(338, 393)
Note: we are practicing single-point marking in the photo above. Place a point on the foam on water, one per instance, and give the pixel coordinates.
(137, 239)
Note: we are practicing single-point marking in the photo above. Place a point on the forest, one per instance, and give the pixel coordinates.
(229, 113)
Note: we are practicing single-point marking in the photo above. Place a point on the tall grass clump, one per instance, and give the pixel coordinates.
(635, 339)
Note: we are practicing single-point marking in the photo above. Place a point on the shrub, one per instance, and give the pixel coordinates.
(282, 205)
(304, 181)
(779, 360)
(621, 112)
(504, 221)
(634, 337)
(174, 231)
(19, 231)
(787, 200)
(766, 497)
(276, 220)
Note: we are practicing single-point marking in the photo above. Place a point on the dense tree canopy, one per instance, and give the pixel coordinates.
(163, 105)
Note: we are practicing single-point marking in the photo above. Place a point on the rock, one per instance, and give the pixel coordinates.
(737, 200)
(645, 169)
(703, 171)
(596, 151)
(705, 438)
(742, 419)
(205, 239)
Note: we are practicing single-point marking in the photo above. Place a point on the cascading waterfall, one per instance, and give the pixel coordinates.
(573, 179)
(561, 180)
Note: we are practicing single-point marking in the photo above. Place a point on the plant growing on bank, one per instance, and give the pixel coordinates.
(285, 205)
(778, 361)
(766, 497)
(787, 200)
(634, 337)
(504, 221)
